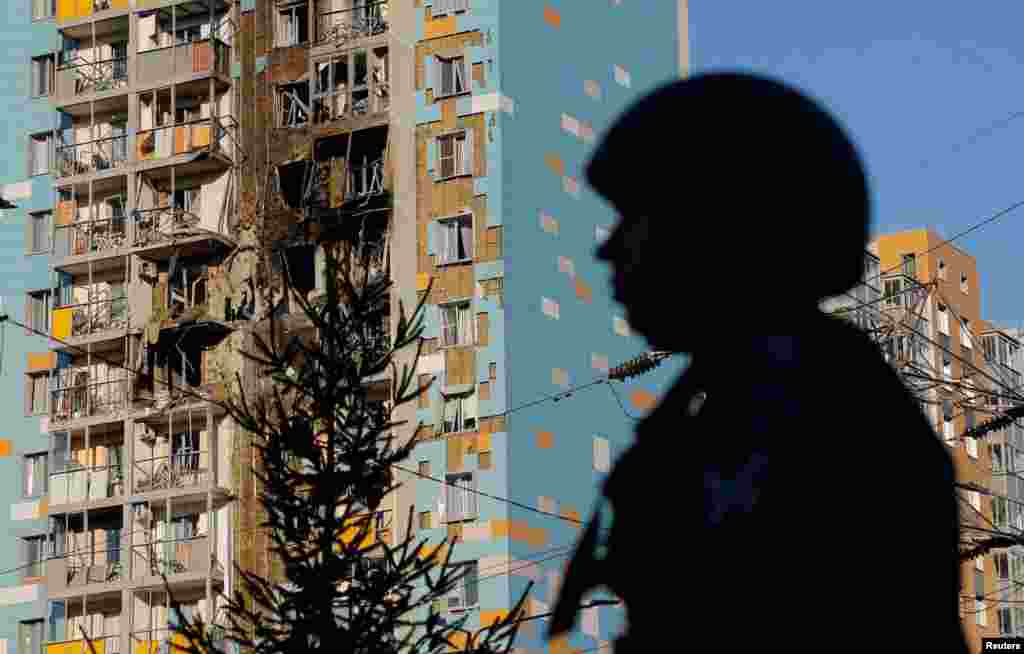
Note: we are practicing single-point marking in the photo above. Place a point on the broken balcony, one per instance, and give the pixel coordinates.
(87, 549)
(344, 21)
(200, 135)
(83, 393)
(346, 86)
(87, 467)
(171, 546)
(90, 222)
(80, 158)
(93, 137)
(93, 60)
(98, 616)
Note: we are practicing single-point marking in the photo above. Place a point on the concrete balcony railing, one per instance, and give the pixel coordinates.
(79, 77)
(88, 400)
(90, 236)
(172, 556)
(347, 25)
(85, 483)
(210, 56)
(181, 470)
(108, 153)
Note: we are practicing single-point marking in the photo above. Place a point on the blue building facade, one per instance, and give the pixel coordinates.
(511, 99)
(29, 31)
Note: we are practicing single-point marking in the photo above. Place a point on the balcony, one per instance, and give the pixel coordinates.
(354, 85)
(216, 135)
(199, 58)
(171, 556)
(86, 484)
(347, 25)
(109, 153)
(179, 470)
(90, 237)
(78, 77)
(82, 400)
(105, 318)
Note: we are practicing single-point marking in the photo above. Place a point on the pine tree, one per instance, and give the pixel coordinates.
(326, 452)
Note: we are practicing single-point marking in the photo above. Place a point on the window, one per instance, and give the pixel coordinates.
(891, 292)
(454, 156)
(42, 75)
(38, 310)
(446, 7)
(943, 320)
(187, 35)
(37, 392)
(965, 333)
(461, 500)
(456, 325)
(459, 413)
(996, 453)
(975, 499)
(963, 282)
(424, 519)
(979, 606)
(947, 422)
(424, 468)
(39, 153)
(972, 446)
(1002, 563)
(451, 76)
(44, 9)
(979, 565)
(293, 104)
(1005, 623)
(38, 234)
(456, 239)
(34, 473)
(30, 637)
(910, 265)
(1000, 513)
(464, 595)
(942, 269)
(35, 550)
(293, 26)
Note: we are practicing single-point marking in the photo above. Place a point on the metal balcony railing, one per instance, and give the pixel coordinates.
(366, 180)
(88, 236)
(102, 154)
(88, 400)
(83, 483)
(90, 566)
(171, 556)
(182, 138)
(180, 470)
(79, 76)
(162, 224)
(98, 316)
(349, 24)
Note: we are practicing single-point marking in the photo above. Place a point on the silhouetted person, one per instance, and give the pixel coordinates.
(829, 518)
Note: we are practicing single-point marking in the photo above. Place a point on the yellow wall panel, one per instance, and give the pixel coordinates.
(60, 324)
(435, 27)
(84, 8)
(66, 10)
(37, 361)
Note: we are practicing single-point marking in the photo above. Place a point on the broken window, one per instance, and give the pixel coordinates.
(293, 26)
(330, 97)
(360, 84)
(293, 104)
(456, 239)
(452, 76)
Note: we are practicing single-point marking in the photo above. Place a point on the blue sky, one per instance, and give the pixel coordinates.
(916, 84)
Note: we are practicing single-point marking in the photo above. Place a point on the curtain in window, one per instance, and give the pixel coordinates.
(449, 325)
(460, 155)
(465, 325)
(466, 242)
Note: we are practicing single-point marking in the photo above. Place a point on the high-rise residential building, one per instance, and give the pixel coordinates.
(932, 304)
(1001, 349)
(180, 144)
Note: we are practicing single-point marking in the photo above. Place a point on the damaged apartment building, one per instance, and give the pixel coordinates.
(198, 151)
